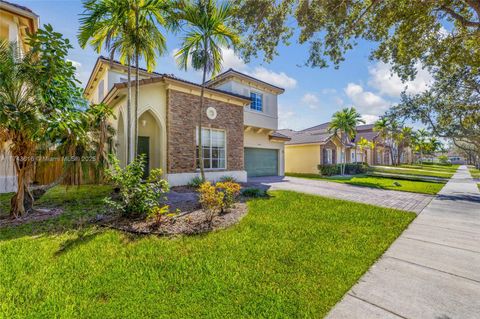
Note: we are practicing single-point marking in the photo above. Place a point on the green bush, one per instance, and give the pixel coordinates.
(329, 170)
(254, 192)
(195, 182)
(230, 179)
(350, 169)
(356, 168)
(136, 197)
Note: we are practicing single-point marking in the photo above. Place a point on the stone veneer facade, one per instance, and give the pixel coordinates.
(182, 119)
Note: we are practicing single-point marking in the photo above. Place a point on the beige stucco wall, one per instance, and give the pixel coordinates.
(152, 108)
(302, 158)
(268, 118)
(255, 139)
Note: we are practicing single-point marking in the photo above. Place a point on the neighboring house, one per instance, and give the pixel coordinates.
(239, 122)
(318, 146)
(15, 23)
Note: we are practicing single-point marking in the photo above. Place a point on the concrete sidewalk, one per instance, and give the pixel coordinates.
(433, 269)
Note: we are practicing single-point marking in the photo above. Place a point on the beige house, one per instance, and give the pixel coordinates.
(15, 23)
(238, 126)
(317, 146)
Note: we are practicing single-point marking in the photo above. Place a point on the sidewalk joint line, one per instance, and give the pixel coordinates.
(445, 245)
(377, 306)
(431, 268)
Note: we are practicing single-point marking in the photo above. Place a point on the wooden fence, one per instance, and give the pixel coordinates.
(48, 172)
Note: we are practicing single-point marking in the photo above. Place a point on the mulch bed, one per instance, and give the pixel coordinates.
(37, 215)
(189, 223)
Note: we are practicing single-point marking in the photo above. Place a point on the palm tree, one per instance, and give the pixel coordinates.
(148, 41)
(131, 27)
(345, 123)
(382, 127)
(207, 31)
(103, 23)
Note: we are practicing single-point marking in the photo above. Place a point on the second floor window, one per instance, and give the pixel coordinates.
(257, 101)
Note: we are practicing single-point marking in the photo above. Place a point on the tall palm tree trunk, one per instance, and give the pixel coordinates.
(129, 113)
(135, 116)
(200, 114)
(137, 86)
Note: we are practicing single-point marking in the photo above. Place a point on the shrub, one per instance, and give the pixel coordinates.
(161, 214)
(254, 192)
(329, 170)
(135, 196)
(356, 168)
(195, 182)
(228, 179)
(211, 200)
(350, 169)
(231, 190)
(443, 159)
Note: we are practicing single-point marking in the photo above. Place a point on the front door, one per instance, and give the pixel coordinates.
(144, 148)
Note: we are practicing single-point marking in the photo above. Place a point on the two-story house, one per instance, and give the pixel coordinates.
(15, 23)
(239, 123)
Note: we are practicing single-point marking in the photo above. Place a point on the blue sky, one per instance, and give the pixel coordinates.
(311, 95)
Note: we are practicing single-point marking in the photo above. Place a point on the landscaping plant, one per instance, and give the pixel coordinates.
(136, 197)
(207, 30)
(211, 200)
(231, 191)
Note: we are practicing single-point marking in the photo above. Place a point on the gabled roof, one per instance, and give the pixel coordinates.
(17, 6)
(320, 134)
(233, 73)
(278, 135)
(310, 137)
(151, 76)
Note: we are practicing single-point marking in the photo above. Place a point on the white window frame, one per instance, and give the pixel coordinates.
(329, 156)
(263, 101)
(225, 148)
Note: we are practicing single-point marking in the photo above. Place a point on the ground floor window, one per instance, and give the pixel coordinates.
(213, 146)
(329, 156)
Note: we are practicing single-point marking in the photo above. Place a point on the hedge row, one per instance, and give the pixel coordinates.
(350, 169)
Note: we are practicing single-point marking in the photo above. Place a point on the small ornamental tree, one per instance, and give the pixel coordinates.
(137, 197)
(39, 101)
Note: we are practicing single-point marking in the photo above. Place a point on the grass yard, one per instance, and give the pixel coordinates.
(432, 167)
(423, 187)
(414, 171)
(474, 172)
(293, 255)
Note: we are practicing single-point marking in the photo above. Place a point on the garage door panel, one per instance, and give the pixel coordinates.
(261, 162)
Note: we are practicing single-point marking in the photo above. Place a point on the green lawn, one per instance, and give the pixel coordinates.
(416, 171)
(380, 182)
(293, 255)
(474, 172)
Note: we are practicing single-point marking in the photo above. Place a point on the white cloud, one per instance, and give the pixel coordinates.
(311, 100)
(370, 118)
(389, 84)
(232, 61)
(276, 78)
(366, 101)
(328, 91)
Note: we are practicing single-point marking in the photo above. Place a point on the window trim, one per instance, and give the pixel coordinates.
(225, 147)
(263, 101)
(329, 156)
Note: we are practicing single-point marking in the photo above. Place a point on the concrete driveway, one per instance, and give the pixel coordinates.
(379, 197)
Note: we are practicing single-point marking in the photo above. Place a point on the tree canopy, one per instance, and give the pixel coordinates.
(434, 33)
